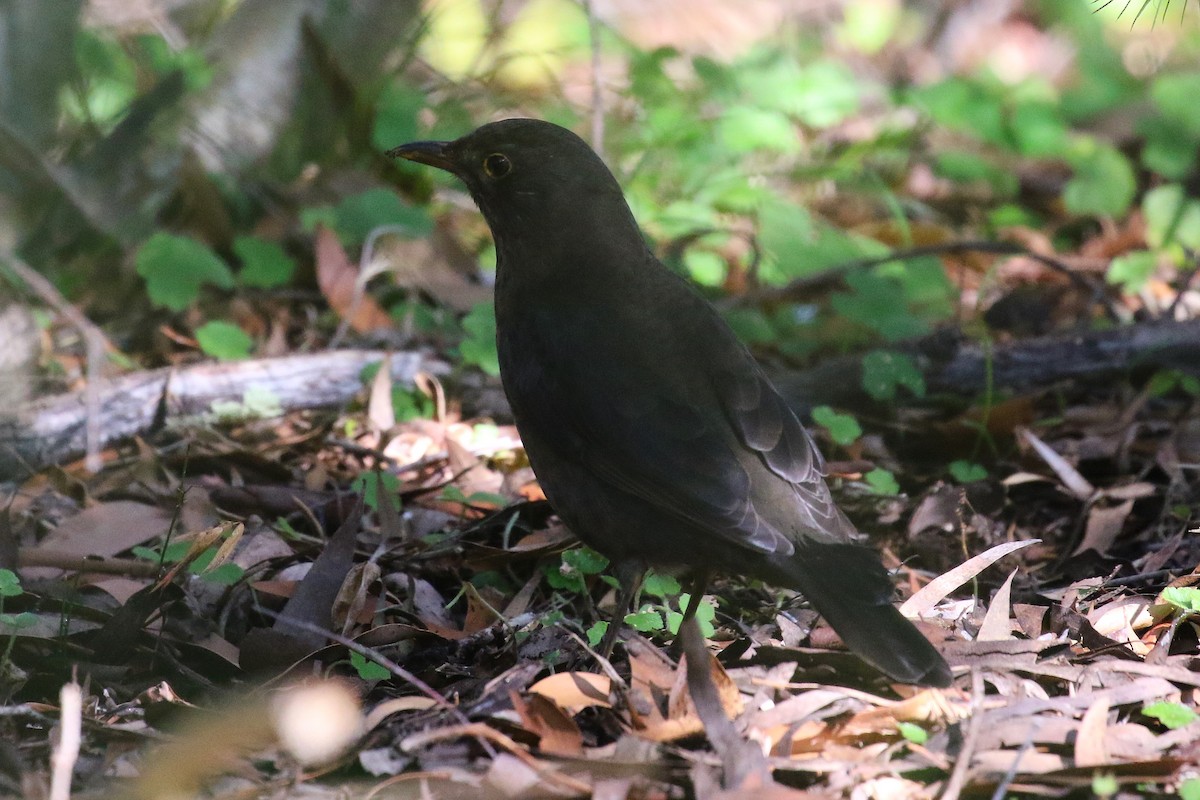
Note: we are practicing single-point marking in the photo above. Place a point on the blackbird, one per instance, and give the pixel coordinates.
(652, 430)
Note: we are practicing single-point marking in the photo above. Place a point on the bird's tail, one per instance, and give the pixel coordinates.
(849, 587)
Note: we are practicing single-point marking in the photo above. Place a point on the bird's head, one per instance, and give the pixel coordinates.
(530, 179)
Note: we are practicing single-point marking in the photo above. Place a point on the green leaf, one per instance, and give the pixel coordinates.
(744, 129)
(264, 264)
(368, 483)
(166, 57)
(111, 83)
(965, 105)
(16, 622)
(843, 428)
(1039, 130)
(225, 575)
(877, 303)
(1171, 715)
(658, 585)
(175, 267)
(258, 402)
(884, 371)
(706, 267)
(147, 553)
(174, 552)
(562, 576)
(10, 584)
(868, 26)
(1104, 784)
(646, 621)
(1171, 217)
(479, 345)
(882, 481)
(913, 733)
(1103, 183)
(224, 340)
(751, 325)
(1175, 96)
(368, 670)
(706, 614)
(585, 560)
(410, 404)
(1169, 149)
(360, 214)
(826, 93)
(1186, 598)
(396, 113)
(1162, 382)
(785, 231)
(1190, 789)
(967, 167)
(1131, 270)
(1168, 380)
(595, 634)
(966, 471)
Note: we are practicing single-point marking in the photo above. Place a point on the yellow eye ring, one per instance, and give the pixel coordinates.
(497, 165)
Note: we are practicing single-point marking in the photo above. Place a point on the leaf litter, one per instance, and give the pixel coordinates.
(1064, 678)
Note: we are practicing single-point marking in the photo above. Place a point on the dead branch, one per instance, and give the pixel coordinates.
(956, 367)
(52, 430)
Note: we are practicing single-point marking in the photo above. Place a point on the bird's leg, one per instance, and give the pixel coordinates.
(699, 583)
(629, 575)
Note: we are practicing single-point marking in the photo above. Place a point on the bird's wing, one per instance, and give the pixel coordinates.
(725, 465)
(765, 424)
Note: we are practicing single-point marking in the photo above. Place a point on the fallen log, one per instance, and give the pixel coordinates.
(51, 430)
(954, 366)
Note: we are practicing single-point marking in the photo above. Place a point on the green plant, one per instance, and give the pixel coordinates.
(884, 371)
(912, 732)
(1171, 715)
(224, 340)
(366, 669)
(576, 565)
(882, 482)
(370, 484)
(966, 471)
(843, 428)
(225, 574)
(177, 267)
(478, 346)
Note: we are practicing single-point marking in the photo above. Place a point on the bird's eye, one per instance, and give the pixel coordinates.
(497, 165)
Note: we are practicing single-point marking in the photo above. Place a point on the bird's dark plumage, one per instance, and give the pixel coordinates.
(653, 432)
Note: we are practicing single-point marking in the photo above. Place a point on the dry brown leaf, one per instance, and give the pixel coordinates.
(1104, 526)
(1126, 741)
(940, 587)
(557, 733)
(997, 622)
(199, 543)
(1027, 762)
(103, 530)
(1120, 619)
(575, 691)
(509, 776)
(938, 509)
(1090, 749)
(1070, 477)
(397, 705)
(925, 707)
(353, 604)
(380, 411)
(481, 607)
(654, 679)
(793, 710)
(337, 277)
